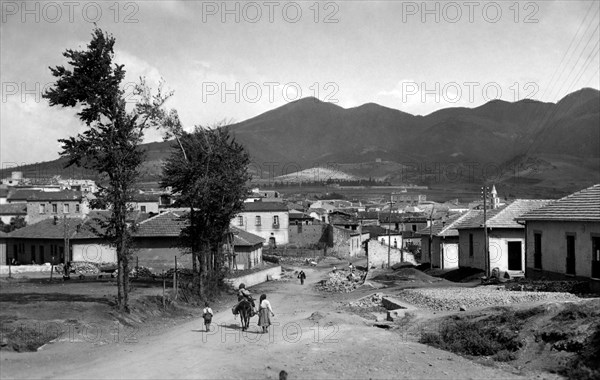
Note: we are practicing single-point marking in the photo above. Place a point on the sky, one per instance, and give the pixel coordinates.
(233, 60)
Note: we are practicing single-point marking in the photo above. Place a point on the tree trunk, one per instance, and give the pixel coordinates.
(195, 267)
(119, 280)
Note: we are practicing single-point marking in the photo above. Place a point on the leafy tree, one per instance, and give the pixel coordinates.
(110, 145)
(15, 223)
(210, 170)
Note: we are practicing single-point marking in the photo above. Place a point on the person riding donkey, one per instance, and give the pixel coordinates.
(244, 294)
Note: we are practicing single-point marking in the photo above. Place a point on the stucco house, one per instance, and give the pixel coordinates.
(155, 242)
(320, 214)
(403, 221)
(44, 242)
(506, 238)
(347, 243)
(444, 242)
(563, 237)
(269, 220)
(146, 202)
(48, 204)
(247, 249)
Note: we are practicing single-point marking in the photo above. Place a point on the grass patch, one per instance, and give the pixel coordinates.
(586, 365)
(496, 336)
(28, 338)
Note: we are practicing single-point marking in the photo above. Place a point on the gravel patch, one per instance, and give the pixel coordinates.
(447, 299)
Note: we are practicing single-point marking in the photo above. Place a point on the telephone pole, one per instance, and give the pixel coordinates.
(391, 202)
(484, 190)
(431, 237)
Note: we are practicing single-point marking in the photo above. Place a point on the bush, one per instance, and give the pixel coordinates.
(486, 337)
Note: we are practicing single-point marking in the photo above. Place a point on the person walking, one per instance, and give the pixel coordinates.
(207, 314)
(302, 277)
(265, 312)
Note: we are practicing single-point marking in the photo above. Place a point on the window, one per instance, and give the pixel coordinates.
(537, 250)
(257, 220)
(54, 208)
(275, 220)
(42, 208)
(66, 208)
(471, 245)
(414, 228)
(143, 208)
(240, 220)
(570, 254)
(595, 256)
(77, 208)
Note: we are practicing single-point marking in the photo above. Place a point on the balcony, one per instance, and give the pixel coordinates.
(275, 225)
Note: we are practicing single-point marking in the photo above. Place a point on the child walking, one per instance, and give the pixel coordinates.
(207, 314)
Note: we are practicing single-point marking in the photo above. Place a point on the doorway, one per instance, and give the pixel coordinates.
(515, 256)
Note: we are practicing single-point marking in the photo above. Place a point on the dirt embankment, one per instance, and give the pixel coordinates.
(555, 337)
(38, 311)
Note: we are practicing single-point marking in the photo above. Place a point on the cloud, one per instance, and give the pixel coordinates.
(31, 129)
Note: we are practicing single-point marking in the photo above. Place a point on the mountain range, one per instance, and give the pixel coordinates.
(525, 144)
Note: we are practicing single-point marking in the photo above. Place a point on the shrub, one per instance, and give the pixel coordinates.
(486, 337)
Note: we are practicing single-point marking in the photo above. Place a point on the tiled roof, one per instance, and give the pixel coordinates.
(38, 195)
(368, 215)
(502, 217)
(13, 209)
(583, 205)
(55, 229)
(375, 231)
(146, 198)
(444, 227)
(343, 219)
(244, 238)
(264, 207)
(3, 235)
(77, 228)
(384, 217)
(300, 215)
(161, 225)
(3, 193)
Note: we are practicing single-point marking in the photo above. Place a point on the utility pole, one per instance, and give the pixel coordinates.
(66, 241)
(391, 202)
(430, 237)
(485, 232)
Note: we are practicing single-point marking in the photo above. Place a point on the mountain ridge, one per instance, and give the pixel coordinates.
(308, 133)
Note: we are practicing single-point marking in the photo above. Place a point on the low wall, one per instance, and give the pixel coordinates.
(25, 269)
(377, 255)
(255, 278)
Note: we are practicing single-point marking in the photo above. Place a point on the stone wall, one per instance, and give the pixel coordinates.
(346, 243)
(303, 235)
(255, 278)
(377, 255)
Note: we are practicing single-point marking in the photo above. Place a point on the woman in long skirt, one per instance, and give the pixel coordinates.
(265, 312)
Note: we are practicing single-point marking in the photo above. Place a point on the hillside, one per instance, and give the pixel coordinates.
(553, 146)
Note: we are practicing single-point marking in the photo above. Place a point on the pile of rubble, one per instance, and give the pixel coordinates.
(85, 268)
(549, 286)
(342, 281)
(369, 301)
(441, 299)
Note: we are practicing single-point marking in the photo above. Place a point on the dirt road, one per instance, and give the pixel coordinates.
(339, 346)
